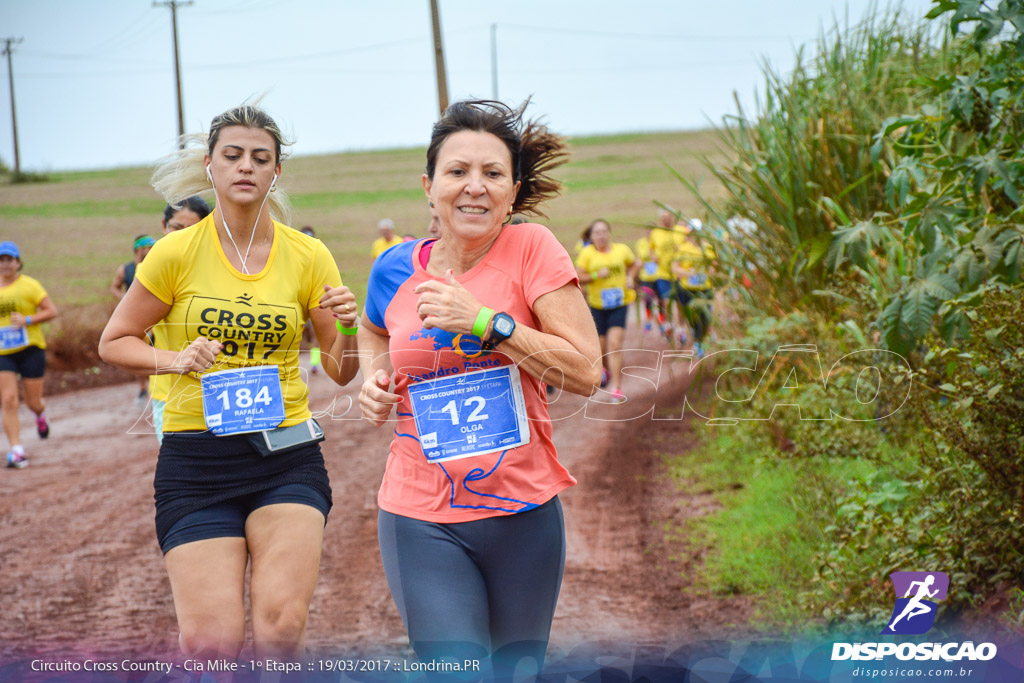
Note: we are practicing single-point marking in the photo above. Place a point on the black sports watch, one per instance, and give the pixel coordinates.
(502, 327)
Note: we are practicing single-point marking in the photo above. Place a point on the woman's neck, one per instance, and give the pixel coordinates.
(458, 255)
(240, 221)
(9, 279)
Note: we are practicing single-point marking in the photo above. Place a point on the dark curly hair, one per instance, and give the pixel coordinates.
(535, 150)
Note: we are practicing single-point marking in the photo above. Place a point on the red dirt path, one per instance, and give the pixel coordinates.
(83, 573)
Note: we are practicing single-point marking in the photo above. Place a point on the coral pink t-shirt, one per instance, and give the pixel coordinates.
(523, 264)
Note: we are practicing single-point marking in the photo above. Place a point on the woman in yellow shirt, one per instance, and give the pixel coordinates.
(608, 270)
(240, 479)
(692, 269)
(23, 305)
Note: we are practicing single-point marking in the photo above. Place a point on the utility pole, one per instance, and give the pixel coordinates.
(174, 5)
(442, 78)
(494, 61)
(8, 50)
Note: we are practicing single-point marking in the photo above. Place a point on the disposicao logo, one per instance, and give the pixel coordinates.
(914, 612)
(917, 595)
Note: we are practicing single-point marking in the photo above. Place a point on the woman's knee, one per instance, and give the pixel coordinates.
(9, 401)
(281, 622)
(211, 635)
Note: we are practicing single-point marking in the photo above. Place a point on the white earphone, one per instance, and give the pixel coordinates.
(273, 183)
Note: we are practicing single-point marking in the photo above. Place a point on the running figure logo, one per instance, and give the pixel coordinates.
(914, 613)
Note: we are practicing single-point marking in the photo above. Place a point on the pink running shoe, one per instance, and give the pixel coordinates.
(618, 396)
(42, 426)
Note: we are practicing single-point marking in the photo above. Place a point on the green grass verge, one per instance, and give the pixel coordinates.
(765, 537)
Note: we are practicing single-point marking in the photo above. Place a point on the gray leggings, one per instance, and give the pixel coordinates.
(474, 590)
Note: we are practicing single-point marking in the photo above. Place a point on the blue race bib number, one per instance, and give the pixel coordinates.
(242, 400)
(650, 267)
(461, 416)
(13, 338)
(613, 297)
(697, 280)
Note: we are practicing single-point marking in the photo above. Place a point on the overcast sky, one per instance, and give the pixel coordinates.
(94, 83)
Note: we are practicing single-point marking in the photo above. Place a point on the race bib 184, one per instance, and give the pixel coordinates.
(242, 400)
(461, 416)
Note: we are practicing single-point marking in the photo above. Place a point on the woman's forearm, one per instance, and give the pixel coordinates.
(342, 361)
(373, 351)
(138, 357)
(553, 359)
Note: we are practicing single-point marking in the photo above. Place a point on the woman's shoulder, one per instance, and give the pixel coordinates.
(181, 240)
(28, 281)
(396, 262)
(308, 248)
(532, 235)
(175, 249)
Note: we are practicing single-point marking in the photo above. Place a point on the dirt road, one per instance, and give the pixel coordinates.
(83, 573)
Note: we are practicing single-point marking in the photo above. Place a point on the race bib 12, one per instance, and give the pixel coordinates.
(461, 416)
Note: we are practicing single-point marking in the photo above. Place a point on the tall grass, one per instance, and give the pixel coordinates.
(802, 158)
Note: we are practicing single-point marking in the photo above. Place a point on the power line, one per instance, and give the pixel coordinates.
(704, 38)
(90, 74)
(309, 56)
(79, 58)
(120, 35)
(9, 52)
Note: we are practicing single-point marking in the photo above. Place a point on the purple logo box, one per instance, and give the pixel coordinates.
(901, 582)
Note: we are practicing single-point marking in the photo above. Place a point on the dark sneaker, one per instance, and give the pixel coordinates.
(42, 426)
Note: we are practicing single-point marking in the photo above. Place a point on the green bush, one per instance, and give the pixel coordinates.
(883, 179)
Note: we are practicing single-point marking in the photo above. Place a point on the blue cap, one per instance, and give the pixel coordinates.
(144, 241)
(9, 248)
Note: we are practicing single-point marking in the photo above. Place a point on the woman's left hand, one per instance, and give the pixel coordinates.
(342, 303)
(447, 305)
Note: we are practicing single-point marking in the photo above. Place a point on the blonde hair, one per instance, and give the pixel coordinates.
(182, 174)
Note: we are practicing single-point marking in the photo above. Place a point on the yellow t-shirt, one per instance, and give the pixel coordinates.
(380, 245)
(608, 292)
(22, 296)
(258, 317)
(663, 247)
(649, 269)
(694, 261)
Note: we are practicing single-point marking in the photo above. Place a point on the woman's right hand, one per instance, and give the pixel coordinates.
(375, 401)
(198, 356)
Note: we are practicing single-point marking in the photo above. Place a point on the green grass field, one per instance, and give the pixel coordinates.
(74, 230)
